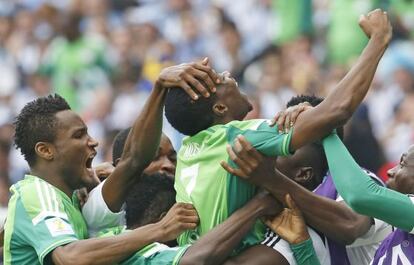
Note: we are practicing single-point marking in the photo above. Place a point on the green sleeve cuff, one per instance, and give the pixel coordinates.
(304, 253)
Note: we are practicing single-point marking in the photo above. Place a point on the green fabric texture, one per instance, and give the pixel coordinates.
(216, 194)
(305, 253)
(40, 218)
(363, 194)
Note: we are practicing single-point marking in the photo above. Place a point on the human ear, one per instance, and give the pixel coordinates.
(44, 150)
(220, 109)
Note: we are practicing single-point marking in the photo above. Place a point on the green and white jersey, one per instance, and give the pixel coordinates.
(214, 192)
(153, 254)
(40, 218)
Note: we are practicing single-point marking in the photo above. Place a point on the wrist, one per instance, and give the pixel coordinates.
(301, 238)
(381, 39)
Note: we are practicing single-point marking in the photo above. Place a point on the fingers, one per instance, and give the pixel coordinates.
(197, 85)
(292, 205)
(274, 120)
(231, 170)
(281, 121)
(188, 90)
(249, 148)
(215, 78)
(244, 167)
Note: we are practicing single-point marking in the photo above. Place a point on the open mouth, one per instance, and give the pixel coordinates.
(88, 162)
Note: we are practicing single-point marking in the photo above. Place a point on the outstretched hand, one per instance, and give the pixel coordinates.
(289, 224)
(193, 78)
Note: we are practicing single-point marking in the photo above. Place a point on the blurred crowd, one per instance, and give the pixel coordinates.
(103, 56)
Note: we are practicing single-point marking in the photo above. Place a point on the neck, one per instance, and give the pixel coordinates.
(52, 176)
(223, 120)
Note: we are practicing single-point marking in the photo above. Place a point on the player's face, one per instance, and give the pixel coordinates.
(74, 150)
(236, 101)
(401, 177)
(165, 159)
(300, 168)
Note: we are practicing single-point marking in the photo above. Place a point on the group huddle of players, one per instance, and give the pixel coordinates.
(238, 191)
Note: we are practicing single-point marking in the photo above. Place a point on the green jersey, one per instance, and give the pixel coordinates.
(216, 194)
(40, 218)
(153, 254)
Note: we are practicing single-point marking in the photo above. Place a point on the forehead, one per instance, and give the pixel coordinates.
(228, 84)
(69, 120)
(165, 143)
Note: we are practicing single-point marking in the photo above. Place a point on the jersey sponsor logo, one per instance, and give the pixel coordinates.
(192, 149)
(58, 227)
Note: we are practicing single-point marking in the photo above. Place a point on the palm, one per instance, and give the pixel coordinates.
(289, 224)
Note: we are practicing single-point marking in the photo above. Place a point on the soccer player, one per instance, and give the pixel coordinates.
(96, 211)
(394, 206)
(44, 223)
(350, 237)
(211, 123)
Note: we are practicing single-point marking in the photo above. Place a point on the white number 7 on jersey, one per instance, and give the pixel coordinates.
(190, 173)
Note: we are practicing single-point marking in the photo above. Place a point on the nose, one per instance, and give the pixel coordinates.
(168, 166)
(391, 172)
(92, 142)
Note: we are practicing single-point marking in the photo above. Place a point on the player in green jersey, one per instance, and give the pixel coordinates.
(212, 123)
(45, 226)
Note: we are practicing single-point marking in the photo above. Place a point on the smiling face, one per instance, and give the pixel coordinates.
(401, 177)
(74, 150)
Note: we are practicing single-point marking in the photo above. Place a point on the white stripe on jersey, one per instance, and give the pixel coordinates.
(46, 190)
(274, 241)
(39, 193)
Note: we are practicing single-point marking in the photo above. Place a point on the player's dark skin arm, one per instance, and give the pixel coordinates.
(334, 219)
(143, 140)
(114, 249)
(214, 247)
(343, 100)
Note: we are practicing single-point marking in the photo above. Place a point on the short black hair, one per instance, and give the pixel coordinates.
(37, 122)
(186, 115)
(314, 101)
(148, 199)
(119, 144)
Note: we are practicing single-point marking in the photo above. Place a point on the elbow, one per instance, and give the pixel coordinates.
(342, 113)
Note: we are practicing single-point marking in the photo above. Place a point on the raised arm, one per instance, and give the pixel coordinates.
(214, 247)
(343, 100)
(114, 249)
(334, 219)
(144, 137)
(361, 193)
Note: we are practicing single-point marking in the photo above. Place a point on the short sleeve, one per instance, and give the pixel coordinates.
(157, 254)
(97, 214)
(45, 232)
(267, 140)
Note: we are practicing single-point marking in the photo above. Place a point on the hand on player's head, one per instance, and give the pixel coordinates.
(376, 24)
(181, 217)
(193, 78)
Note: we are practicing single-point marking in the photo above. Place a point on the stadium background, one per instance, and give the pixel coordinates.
(103, 56)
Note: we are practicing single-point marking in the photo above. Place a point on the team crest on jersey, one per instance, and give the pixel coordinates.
(191, 150)
(58, 227)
